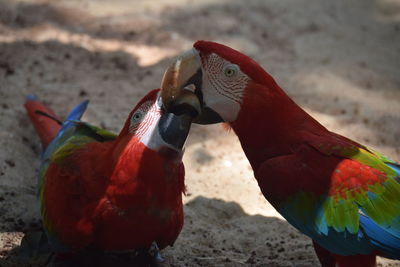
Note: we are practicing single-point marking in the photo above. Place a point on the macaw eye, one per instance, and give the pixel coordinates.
(231, 70)
(137, 116)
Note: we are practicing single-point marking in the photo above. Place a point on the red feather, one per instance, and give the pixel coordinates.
(46, 128)
(116, 205)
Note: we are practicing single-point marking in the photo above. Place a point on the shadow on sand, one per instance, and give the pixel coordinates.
(218, 233)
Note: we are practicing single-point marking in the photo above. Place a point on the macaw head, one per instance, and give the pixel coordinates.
(150, 124)
(223, 79)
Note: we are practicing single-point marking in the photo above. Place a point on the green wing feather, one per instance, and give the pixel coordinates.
(352, 188)
(373, 191)
(78, 136)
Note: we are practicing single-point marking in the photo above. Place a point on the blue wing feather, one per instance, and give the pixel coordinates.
(75, 115)
(396, 168)
(77, 112)
(384, 241)
(338, 242)
(369, 238)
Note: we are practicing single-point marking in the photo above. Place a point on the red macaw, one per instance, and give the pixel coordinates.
(111, 192)
(343, 195)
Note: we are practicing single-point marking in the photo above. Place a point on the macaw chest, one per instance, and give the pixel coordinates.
(139, 224)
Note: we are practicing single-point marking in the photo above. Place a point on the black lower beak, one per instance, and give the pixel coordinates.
(174, 129)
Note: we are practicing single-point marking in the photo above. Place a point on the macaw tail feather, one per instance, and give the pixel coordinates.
(48, 116)
(47, 128)
(74, 116)
(77, 112)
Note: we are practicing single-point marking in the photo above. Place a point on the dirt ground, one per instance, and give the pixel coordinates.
(340, 60)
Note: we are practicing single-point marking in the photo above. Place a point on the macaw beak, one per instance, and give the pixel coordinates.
(176, 95)
(174, 129)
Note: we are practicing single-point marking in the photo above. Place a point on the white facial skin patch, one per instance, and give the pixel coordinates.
(144, 125)
(223, 86)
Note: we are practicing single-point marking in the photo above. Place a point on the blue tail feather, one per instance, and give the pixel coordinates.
(31, 97)
(77, 112)
(74, 116)
(386, 242)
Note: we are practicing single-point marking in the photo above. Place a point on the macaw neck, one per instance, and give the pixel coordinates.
(130, 159)
(163, 133)
(269, 123)
(140, 169)
(127, 145)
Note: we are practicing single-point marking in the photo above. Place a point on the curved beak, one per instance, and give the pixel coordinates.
(177, 85)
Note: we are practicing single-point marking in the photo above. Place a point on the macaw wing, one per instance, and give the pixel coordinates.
(369, 181)
(343, 196)
(76, 135)
(366, 177)
(99, 134)
(73, 135)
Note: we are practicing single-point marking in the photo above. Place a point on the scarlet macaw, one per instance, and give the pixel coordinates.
(111, 192)
(343, 195)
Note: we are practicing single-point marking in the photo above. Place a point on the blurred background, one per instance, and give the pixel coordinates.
(340, 60)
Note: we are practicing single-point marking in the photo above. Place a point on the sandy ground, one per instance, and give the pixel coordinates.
(340, 60)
